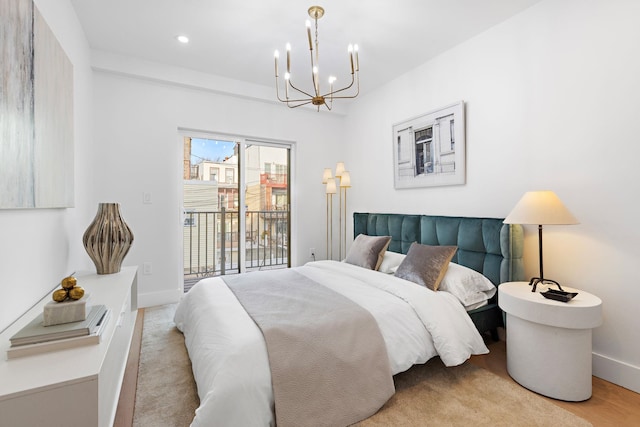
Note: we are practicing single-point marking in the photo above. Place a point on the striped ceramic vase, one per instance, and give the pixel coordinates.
(108, 239)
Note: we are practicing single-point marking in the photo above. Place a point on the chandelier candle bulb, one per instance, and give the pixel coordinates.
(350, 50)
(355, 49)
(276, 55)
(288, 58)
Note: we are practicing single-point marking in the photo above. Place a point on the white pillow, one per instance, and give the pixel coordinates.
(390, 262)
(469, 286)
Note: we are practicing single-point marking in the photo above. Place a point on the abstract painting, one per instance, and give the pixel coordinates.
(36, 112)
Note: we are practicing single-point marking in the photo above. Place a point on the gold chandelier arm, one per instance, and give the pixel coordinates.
(300, 90)
(288, 100)
(305, 100)
(331, 95)
(314, 73)
(298, 105)
(278, 91)
(344, 96)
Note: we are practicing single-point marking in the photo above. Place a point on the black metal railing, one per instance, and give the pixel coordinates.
(211, 242)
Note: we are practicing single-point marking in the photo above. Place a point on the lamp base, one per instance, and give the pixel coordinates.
(535, 280)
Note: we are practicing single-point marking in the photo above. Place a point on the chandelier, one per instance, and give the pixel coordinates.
(318, 98)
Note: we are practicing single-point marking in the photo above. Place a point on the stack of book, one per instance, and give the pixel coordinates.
(36, 338)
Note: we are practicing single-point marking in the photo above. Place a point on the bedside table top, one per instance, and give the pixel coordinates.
(584, 311)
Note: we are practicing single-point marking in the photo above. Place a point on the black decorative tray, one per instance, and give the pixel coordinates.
(558, 295)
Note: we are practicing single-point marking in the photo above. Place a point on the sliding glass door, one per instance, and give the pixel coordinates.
(236, 203)
(267, 222)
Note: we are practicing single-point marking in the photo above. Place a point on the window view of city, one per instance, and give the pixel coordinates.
(213, 244)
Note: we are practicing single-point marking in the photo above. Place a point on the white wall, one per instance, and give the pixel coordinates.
(551, 103)
(137, 117)
(38, 247)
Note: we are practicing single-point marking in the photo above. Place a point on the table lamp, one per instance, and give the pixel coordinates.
(541, 208)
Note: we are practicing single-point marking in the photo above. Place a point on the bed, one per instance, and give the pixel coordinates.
(231, 351)
(485, 245)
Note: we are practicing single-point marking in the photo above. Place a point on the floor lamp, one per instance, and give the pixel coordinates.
(345, 182)
(339, 171)
(330, 190)
(541, 208)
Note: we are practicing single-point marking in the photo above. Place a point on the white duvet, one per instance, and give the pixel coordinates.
(229, 357)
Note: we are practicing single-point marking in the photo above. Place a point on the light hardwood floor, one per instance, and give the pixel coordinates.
(609, 406)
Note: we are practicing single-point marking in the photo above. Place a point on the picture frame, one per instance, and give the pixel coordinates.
(430, 150)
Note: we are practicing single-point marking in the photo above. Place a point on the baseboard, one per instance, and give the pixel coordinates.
(152, 299)
(617, 372)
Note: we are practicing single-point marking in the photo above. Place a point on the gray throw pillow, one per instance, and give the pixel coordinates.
(368, 251)
(426, 265)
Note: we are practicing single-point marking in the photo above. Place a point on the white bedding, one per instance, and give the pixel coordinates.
(229, 357)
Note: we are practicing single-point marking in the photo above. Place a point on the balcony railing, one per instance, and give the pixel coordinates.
(211, 242)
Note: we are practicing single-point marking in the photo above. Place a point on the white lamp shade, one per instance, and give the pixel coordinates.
(339, 169)
(540, 207)
(331, 186)
(326, 175)
(345, 180)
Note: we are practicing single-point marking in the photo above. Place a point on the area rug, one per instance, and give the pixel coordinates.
(166, 394)
(426, 395)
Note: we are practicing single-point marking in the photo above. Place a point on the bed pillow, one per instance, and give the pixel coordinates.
(368, 251)
(390, 262)
(466, 284)
(426, 265)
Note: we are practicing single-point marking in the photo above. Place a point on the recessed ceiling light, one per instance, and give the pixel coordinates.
(183, 39)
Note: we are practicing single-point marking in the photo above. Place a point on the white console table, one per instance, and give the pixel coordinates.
(549, 342)
(77, 386)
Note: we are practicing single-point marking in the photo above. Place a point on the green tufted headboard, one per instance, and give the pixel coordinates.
(486, 245)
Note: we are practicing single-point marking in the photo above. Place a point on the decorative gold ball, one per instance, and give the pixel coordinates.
(76, 292)
(69, 282)
(60, 295)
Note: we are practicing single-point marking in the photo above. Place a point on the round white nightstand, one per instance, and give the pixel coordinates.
(548, 341)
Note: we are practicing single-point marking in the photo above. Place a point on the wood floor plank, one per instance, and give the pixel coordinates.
(609, 406)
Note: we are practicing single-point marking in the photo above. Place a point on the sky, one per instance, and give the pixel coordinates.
(210, 149)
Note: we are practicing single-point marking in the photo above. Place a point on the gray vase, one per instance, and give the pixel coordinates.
(107, 239)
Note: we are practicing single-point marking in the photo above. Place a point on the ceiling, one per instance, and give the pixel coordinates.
(237, 38)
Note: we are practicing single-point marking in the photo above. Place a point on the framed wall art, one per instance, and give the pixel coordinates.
(429, 150)
(36, 112)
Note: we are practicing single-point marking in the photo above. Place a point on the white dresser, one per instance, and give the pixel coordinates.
(77, 386)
